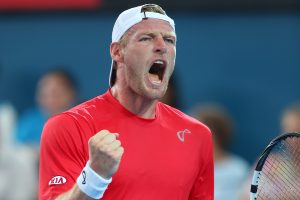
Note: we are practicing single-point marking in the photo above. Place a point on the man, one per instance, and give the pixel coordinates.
(290, 119)
(125, 144)
(230, 170)
(55, 93)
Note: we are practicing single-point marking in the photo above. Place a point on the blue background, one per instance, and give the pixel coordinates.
(248, 61)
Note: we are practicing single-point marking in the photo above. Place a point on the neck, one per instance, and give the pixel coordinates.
(137, 104)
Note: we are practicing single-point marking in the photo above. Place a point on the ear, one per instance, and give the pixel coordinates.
(116, 52)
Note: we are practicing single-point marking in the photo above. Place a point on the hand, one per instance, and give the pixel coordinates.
(105, 152)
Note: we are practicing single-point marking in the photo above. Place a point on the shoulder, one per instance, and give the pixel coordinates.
(90, 109)
(174, 115)
(63, 134)
(77, 121)
(58, 126)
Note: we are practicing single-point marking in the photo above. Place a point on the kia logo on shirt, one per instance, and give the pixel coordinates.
(57, 180)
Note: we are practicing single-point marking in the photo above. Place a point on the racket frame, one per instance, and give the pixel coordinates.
(261, 161)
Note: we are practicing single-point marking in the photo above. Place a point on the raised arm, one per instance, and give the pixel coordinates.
(63, 155)
(105, 153)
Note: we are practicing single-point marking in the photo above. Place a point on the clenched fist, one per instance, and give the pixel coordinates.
(105, 152)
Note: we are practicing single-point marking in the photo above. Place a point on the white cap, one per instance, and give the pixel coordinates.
(132, 16)
(126, 20)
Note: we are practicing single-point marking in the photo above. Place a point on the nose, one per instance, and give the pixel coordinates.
(160, 45)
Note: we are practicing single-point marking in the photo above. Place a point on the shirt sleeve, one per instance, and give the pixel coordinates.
(203, 188)
(62, 156)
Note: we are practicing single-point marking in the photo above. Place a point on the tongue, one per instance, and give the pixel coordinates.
(154, 78)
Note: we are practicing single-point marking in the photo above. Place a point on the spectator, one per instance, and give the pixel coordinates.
(290, 120)
(17, 173)
(55, 93)
(230, 169)
(8, 117)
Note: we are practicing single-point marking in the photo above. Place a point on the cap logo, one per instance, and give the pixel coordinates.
(145, 17)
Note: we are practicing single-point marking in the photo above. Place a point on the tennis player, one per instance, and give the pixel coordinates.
(125, 144)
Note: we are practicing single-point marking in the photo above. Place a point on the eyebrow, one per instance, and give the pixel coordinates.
(154, 33)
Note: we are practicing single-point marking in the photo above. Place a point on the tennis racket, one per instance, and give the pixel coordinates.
(277, 173)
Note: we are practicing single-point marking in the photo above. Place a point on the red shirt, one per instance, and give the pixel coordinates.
(169, 157)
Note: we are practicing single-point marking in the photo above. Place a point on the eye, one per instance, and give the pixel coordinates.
(145, 38)
(170, 40)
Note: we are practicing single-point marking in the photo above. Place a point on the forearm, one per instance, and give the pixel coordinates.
(91, 182)
(89, 185)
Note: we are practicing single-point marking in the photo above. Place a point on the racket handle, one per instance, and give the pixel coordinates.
(254, 184)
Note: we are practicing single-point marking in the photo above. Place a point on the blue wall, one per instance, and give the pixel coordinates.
(250, 62)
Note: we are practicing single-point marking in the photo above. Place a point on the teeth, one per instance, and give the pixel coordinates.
(159, 62)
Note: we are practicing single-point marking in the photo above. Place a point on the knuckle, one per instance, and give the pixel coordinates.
(116, 134)
(113, 136)
(110, 138)
(121, 149)
(118, 142)
(104, 131)
(91, 141)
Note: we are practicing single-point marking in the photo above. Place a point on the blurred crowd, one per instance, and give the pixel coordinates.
(20, 134)
(56, 92)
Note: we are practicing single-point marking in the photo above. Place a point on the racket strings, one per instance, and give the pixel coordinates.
(269, 188)
(280, 176)
(287, 176)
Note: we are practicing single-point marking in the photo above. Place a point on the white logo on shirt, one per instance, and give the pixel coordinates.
(57, 180)
(180, 134)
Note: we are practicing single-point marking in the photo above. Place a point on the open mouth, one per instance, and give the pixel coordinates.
(156, 72)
